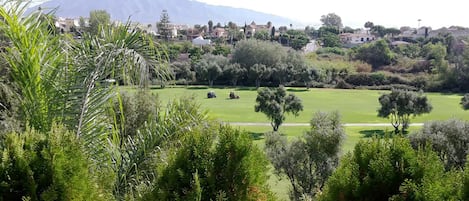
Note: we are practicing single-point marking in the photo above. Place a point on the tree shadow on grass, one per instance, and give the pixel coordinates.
(246, 89)
(372, 133)
(297, 90)
(197, 87)
(380, 133)
(256, 135)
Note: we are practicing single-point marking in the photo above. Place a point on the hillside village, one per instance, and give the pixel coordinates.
(202, 35)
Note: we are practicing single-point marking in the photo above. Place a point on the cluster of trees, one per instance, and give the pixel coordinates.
(253, 62)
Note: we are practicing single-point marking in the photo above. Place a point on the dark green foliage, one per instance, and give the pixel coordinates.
(163, 25)
(262, 35)
(239, 167)
(250, 52)
(195, 53)
(308, 161)
(99, 19)
(399, 105)
(409, 50)
(46, 167)
(194, 157)
(390, 169)
(449, 139)
(465, 102)
(231, 167)
(377, 53)
(435, 54)
(297, 39)
(329, 39)
(137, 110)
(378, 30)
(334, 49)
(375, 79)
(259, 72)
(209, 67)
(331, 20)
(275, 104)
(224, 50)
(182, 72)
(234, 72)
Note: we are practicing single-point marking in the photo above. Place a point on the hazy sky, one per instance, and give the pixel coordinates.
(354, 13)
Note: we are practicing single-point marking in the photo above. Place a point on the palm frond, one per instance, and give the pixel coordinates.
(33, 55)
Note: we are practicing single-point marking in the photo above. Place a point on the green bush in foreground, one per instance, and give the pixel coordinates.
(308, 161)
(35, 166)
(391, 170)
(230, 168)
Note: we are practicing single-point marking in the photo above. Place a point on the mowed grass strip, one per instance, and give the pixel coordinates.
(355, 106)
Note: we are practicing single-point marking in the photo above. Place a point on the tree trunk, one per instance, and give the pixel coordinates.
(258, 83)
(274, 126)
(395, 121)
(210, 83)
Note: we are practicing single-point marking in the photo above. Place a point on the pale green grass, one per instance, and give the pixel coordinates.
(355, 106)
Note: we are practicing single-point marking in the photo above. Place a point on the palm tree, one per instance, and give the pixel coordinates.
(58, 79)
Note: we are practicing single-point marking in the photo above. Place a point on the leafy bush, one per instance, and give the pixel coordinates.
(334, 50)
(449, 139)
(46, 167)
(308, 161)
(230, 168)
(390, 169)
(375, 79)
(137, 109)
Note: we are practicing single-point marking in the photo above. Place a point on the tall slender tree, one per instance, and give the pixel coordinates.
(163, 25)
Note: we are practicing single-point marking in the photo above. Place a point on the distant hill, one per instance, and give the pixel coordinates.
(148, 11)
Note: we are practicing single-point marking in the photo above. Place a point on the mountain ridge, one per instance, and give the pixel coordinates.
(148, 11)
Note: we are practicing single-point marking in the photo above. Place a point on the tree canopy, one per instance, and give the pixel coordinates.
(275, 104)
(377, 53)
(332, 19)
(400, 105)
(309, 160)
(98, 20)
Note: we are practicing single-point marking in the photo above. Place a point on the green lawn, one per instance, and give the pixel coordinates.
(355, 106)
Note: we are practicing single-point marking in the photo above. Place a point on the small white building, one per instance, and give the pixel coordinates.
(356, 38)
(201, 41)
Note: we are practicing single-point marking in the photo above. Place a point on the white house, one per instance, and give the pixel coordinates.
(201, 41)
(356, 38)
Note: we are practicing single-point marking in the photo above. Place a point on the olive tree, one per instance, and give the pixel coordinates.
(399, 105)
(275, 103)
(250, 52)
(377, 53)
(448, 139)
(309, 160)
(210, 67)
(234, 72)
